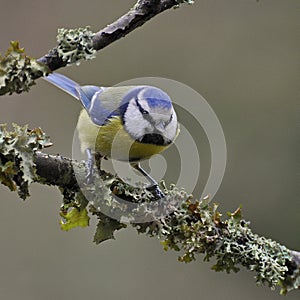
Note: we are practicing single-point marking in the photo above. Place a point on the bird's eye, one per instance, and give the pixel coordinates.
(142, 110)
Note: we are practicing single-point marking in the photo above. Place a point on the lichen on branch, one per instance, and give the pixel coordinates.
(18, 71)
(17, 148)
(192, 227)
(75, 44)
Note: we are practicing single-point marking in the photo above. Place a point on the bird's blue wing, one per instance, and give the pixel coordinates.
(82, 93)
(87, 92)
(110, 102)
(99, 111)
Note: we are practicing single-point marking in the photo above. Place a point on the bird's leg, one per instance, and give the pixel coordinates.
(138, 167)
(91, 160)
(153, 184)
(90, 166)
(98, 158)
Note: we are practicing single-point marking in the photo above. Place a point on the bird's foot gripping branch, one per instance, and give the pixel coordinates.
(192, 227)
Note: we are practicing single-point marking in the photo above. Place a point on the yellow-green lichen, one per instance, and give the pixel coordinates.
(17, 147)
(18, 71)
(76, 217)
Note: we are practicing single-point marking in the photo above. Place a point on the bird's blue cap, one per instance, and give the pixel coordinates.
(156, 97)
(153, 95)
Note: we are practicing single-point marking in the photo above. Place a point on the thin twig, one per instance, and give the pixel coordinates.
(143, 11)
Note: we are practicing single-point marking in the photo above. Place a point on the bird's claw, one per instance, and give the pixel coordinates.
(156, 191)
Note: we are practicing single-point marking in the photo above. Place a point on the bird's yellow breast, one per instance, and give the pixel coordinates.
(111, 140)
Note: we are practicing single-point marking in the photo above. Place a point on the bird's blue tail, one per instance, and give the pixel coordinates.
(66, 84)
(82, 93)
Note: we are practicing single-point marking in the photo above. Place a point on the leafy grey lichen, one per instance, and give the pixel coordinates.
(197, 228)
(265, 257)
(18, 71)
(17, 147)
(106, 227)
(75, 44)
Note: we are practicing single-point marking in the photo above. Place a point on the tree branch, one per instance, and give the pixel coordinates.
(18, 71)
(143, 11)
(191, 226)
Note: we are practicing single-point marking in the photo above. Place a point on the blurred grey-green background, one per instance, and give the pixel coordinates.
(243, 57)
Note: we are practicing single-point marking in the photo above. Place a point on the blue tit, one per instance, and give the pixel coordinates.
(126, 123)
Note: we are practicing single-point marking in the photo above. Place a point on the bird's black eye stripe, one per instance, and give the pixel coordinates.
(170, 120)
(143, 111)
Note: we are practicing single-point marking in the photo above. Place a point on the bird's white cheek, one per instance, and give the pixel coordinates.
(135, 125)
